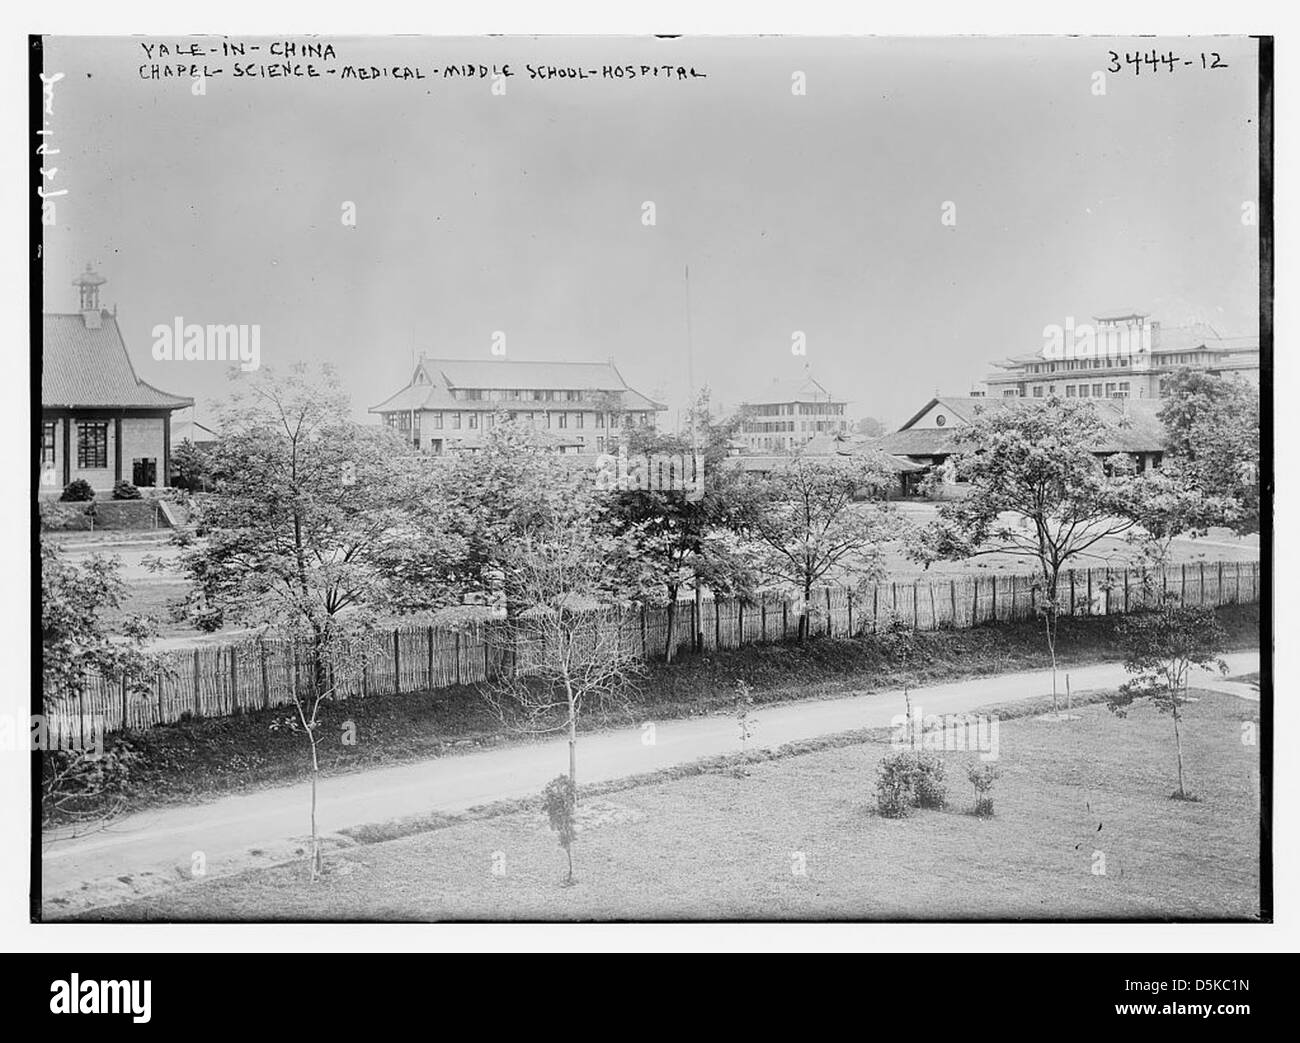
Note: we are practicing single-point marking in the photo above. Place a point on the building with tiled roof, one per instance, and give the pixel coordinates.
(451, 404)
(785, 414)
(99, 421)
(1124, 355)
(1130, 426)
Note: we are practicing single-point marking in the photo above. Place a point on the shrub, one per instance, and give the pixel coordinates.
(982, 776)
(77, 491)
(928, 788)
(124, 490)
(908, 779)
(894, 785)
(56, 517)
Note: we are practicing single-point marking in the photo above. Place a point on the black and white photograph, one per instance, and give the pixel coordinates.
(649, 478)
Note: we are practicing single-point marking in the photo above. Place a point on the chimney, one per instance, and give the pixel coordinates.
(88, 284)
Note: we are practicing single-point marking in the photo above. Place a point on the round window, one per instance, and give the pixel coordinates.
(940, 420)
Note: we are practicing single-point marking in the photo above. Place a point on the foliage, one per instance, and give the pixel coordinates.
(77, 491)
(808, 526)
(124, 490)
(80, 784)
(191, 467)
(56, 515)
(1212, 439)
(908, 779)
(1038, 490)
(982, 776)
(310, 522)
(560, 799)
(75, 638)
(1160, 650)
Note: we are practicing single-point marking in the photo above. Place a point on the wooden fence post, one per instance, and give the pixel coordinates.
(234, 682)
(830, 618)
(645, 643)
(850, 596)
(994, 580)
(1126, 590)
(975, 604)
(785, 619)
(1218, 593)
(125, 721)
(762, 621)
(456, 635)
(1072, 592)
(916, 595)
(952, 596)
(717, 626)
(1183, 598)
(266, 684)
(934, 615)
(1202, 592)
(429, 674)
(198, 705)
(397, 664)
(1089, 590)
(740, 627)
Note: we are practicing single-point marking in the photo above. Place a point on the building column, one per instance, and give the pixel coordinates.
(67, 449)
(117, 449)
(167, 451)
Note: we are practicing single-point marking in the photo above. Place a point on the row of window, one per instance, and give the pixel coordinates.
(92, 445)
(521, 395)
(1073, 365)
(1108, 389)
(406, 422)
(800, 409)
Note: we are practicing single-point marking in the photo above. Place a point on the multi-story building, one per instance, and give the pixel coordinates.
(99, 421)
(452, 404)
(1122, 356)
(788, 413)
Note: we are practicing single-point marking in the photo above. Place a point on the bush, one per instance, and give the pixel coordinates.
(124, 490)
(908, 779)
(982, 777)
(77, 491)
(56, 517)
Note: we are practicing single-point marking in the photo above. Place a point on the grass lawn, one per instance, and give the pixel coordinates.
(725, 845)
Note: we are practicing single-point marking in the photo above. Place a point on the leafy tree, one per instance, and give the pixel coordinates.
(1161, 647)
(570, 637)
(689, 538)
(309, 531)
(1038, 490)
(1212, 443)
(808, 526)
(191, 467)
(124, 490)
(76, 639)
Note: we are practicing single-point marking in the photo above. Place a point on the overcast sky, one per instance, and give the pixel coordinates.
(523, 212)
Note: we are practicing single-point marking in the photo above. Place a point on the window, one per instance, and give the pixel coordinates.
(1110, 390)
(1038, 391)
(580, 420)
(1123, 389)
(437, 421)
(47, 443)
(564, 420)
(473, 421)
(1083, 390)
(1070, 391)
(92, 446)
(600, 419)
(455, 421)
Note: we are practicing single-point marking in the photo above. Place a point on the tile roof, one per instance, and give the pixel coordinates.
(88, 367)
(446, 375)
(1130, 425)
(801, 389)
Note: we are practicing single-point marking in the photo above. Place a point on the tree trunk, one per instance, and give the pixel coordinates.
(315, 839)
(1178, 743)
(672, 619)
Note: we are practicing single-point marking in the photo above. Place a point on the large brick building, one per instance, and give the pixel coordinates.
(451, 404)
(99, 421)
